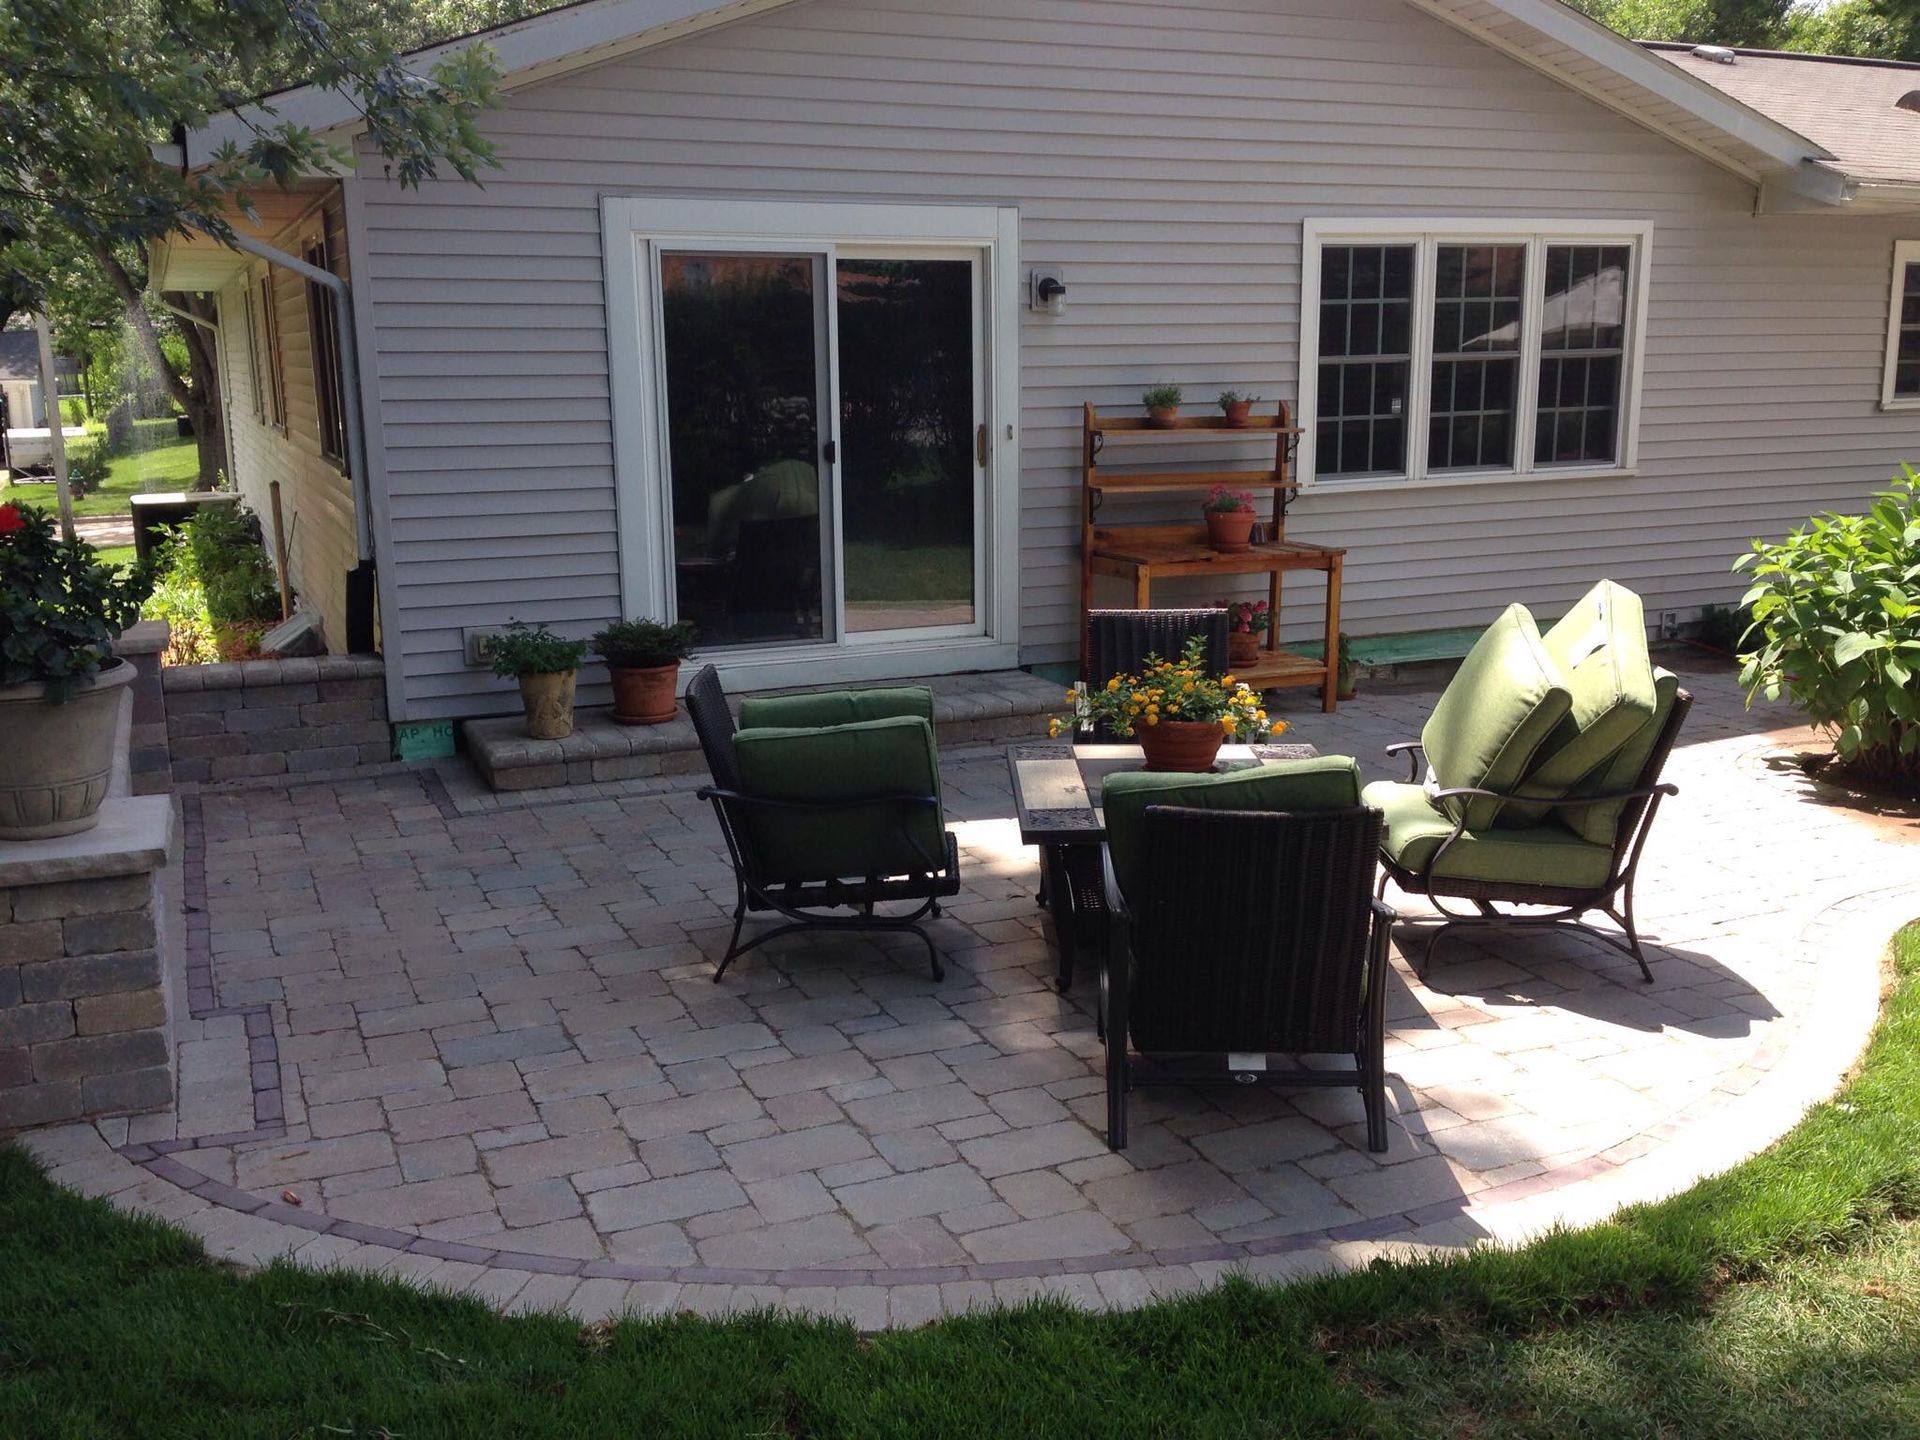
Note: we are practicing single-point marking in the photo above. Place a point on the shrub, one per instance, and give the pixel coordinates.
(523, 649)
(87, 467)
(643, 644)
(60, 608)
(1836, 610)
(230, 560)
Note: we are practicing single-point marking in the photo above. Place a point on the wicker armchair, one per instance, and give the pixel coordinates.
(1241, 934)
(1118, 643)
(828, 803)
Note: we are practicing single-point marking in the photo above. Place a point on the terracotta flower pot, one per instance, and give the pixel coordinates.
(1243, 648)
(1238, 412)
(644, 696)
(1230, 531)
(1182, 746)
(1163, 416)
(59, 756)
(549, 704)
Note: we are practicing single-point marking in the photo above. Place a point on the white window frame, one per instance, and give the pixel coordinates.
(1426, 235)
(634, 231)
(1905, 253)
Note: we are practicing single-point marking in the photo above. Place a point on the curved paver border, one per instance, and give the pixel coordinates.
(1747, 1109)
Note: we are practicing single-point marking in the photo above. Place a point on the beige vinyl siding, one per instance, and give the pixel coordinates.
(1164, 155)
(316, 497)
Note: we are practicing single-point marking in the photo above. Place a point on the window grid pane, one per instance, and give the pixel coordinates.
(1583, 330)
(1366, 311)
(1906, 359)
(1477, 300)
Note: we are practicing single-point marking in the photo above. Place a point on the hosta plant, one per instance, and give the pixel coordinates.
(1836, 628)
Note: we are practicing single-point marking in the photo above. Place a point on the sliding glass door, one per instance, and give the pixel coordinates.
(825, 446)
(744, 344)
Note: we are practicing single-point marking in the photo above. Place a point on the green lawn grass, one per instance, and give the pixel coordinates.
(1777, 1300)
(160, 460)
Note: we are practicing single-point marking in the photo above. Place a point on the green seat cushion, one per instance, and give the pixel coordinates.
(836, 707)
(1545, 854)
(844, 763)
(1600, 646)
(1505, 700)
(1326, 782)
(1599, 822)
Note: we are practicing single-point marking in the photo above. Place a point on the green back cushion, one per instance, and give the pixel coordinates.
(1598, 822)
(854, 762)
(1600, 646)
(836, 707)
(1506, 699)
(1326, 782)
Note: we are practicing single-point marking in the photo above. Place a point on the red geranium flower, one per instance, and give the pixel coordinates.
(11, 519)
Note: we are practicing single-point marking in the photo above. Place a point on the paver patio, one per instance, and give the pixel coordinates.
(481, 1045)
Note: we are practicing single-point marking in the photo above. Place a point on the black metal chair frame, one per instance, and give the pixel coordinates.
(809, 904)
(1114, 1017)
(1566, 905)
(1118, 643)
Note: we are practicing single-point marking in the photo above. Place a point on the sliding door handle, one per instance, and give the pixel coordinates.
(980, 446)
(830, 452)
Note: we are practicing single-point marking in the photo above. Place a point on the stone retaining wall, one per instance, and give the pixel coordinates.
(276, 717)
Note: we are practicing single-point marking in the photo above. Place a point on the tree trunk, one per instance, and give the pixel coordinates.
(197, 392)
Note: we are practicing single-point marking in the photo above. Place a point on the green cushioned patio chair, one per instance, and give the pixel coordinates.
(1243, 928)
(1563, 825)
(830, 808)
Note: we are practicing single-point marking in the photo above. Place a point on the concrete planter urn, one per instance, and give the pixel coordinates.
(59, 754)
(548, 699)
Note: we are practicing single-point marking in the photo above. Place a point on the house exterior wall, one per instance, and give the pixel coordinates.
(1165, 156)
(316, 496)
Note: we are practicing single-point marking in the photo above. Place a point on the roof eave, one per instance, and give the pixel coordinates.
(529, 51)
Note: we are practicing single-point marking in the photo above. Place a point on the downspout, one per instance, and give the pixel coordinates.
(360, 580)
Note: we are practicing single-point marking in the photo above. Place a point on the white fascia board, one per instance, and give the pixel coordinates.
(529, 51)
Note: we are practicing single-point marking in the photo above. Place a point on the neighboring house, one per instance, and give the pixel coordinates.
(742, 329)
(20, 378)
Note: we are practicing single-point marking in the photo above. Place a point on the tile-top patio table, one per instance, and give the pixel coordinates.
(1056, 793)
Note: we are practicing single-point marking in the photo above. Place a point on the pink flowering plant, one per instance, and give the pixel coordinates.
(1246, 617)
(1226, 501)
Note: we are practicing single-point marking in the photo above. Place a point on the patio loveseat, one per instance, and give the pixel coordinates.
(830, 807)
(1544, 757)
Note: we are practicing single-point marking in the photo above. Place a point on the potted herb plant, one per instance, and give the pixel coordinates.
(1237, 407)
(1163, 404)
(1229, 519)
(1179, 714)
(60, 682)
(1247, 621)
(547, 666)
(1345, 685)
(643, 657)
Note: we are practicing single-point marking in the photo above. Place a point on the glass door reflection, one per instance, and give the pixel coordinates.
(744, 344)
(910, 442)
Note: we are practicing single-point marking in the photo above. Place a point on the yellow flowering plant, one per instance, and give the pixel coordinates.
(1179, 690)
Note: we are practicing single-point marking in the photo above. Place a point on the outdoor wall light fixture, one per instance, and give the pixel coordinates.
(1049, 292)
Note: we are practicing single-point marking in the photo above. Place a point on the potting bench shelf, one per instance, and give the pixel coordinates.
(1142, 552)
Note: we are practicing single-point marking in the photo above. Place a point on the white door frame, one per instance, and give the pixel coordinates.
(634, 229)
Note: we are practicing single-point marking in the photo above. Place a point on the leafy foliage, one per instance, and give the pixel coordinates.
(1836, 607)
(1884, 29)
(523, 649)
(1162, 397)
(60, 608)
(644, 644)
(83, 103)
(216, 589)
(87, 465)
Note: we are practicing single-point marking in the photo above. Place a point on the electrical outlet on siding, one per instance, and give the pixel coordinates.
(478, 643)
